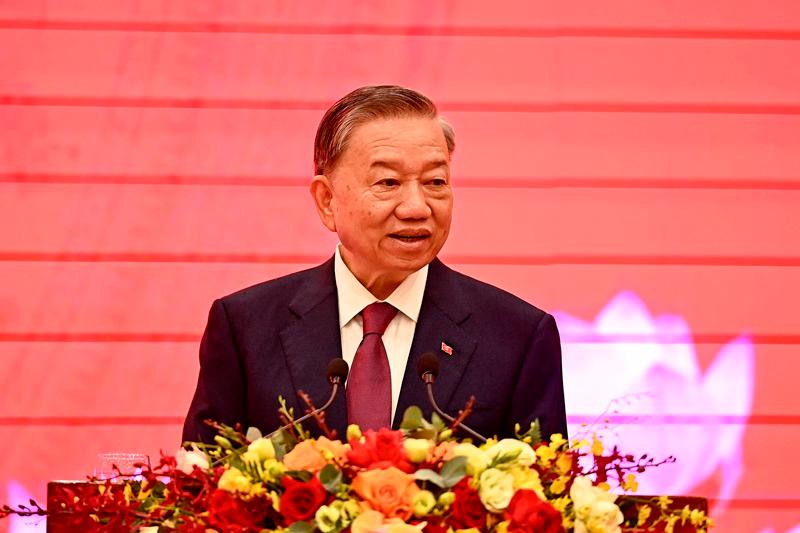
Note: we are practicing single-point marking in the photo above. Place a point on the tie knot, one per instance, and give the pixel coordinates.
(376, 317)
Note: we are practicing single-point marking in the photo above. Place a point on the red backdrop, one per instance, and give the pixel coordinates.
(155, 155)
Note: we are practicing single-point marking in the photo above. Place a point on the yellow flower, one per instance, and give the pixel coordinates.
(644, 514)
(349, 510)
(578, 444)
(527, 478)
(597, 446)
(559, 485)
(564, 463)
(561, 503)
(446, 499)
(556, 440)
(233, 480)
(630, 483)
(664, 502)
(273, 470)
(502, 527)
(326, 518)
(262, 449)
(353, 432)
(423, 503)
(545, 454)
(417, 450)
(697, 517)
(495, 489)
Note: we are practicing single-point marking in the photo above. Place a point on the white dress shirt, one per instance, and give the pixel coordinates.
(354, 297)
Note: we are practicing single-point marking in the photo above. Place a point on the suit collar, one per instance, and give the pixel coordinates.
(311, 340)
(443, 322)
(319, 286)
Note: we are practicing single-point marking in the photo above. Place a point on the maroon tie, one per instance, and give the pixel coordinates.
(369, 387)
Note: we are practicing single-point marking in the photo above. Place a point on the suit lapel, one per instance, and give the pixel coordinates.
(441, 320)
(311, 340)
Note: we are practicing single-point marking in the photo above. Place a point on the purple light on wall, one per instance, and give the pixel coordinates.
(641, 372)
(17, 494)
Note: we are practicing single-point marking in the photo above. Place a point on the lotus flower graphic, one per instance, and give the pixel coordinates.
(643, 371)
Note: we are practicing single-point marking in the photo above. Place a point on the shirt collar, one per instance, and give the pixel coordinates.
(354, 297)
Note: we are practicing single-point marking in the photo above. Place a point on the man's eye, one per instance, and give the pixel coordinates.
(438, 182)
(389, 182)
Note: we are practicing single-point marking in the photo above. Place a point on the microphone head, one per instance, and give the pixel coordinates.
(337, 370)
(427, 364)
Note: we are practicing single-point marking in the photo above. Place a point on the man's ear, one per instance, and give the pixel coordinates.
(322, 193)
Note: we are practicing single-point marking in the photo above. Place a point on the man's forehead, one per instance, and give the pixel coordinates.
(400, 131)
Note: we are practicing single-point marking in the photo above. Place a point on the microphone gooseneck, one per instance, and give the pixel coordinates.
(428, 371)
(337, 374)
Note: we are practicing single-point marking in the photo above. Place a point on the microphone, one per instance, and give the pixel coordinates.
(428, 371)
(337, 374)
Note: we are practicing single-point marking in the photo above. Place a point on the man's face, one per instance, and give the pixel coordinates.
(390, 198)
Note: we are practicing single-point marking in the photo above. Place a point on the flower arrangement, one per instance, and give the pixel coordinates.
(419, 478)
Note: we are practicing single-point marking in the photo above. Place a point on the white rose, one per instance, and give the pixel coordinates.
(526, 456)
(262, 449)
(595, 510)
(187, 459)
(496, 489)
(477, 459)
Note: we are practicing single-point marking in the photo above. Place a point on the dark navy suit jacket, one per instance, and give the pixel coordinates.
(277, 338)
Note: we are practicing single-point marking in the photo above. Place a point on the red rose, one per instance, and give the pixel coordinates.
(228, 513)
(527, 513)
(434, 524)
(380, 449)
(467, 510)
(301, 499)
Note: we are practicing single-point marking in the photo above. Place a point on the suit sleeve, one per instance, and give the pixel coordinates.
(220, 393)
(539, 391)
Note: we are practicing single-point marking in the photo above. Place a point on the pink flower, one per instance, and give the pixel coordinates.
(630, 363)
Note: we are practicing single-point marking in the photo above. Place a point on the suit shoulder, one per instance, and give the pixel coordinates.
(496, 301)
(277, 291)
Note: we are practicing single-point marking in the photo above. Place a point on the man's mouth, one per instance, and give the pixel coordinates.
(410, 236)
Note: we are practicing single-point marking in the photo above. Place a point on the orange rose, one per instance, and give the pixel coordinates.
(374, 522)
(443, 452)
(389, 491)
(310, 454)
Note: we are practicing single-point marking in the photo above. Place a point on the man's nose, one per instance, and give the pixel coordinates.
(413, 202)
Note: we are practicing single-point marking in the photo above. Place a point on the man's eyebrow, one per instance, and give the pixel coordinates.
(385, 163)
(395, 163)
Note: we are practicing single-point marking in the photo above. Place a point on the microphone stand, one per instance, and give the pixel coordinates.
(336, 381)
(428, 378)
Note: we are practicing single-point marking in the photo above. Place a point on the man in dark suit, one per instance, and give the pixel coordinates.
(382, 183)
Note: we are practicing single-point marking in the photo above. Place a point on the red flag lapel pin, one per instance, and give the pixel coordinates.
(446, 348)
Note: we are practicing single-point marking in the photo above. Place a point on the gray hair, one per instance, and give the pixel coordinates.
(366, 104)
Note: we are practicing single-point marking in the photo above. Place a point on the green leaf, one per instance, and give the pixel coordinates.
(429, 475)
(301, 527)
(438, 423)
(283, 442)
(454, 471)
(412, 418)
(300, 475)
(331, 478)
